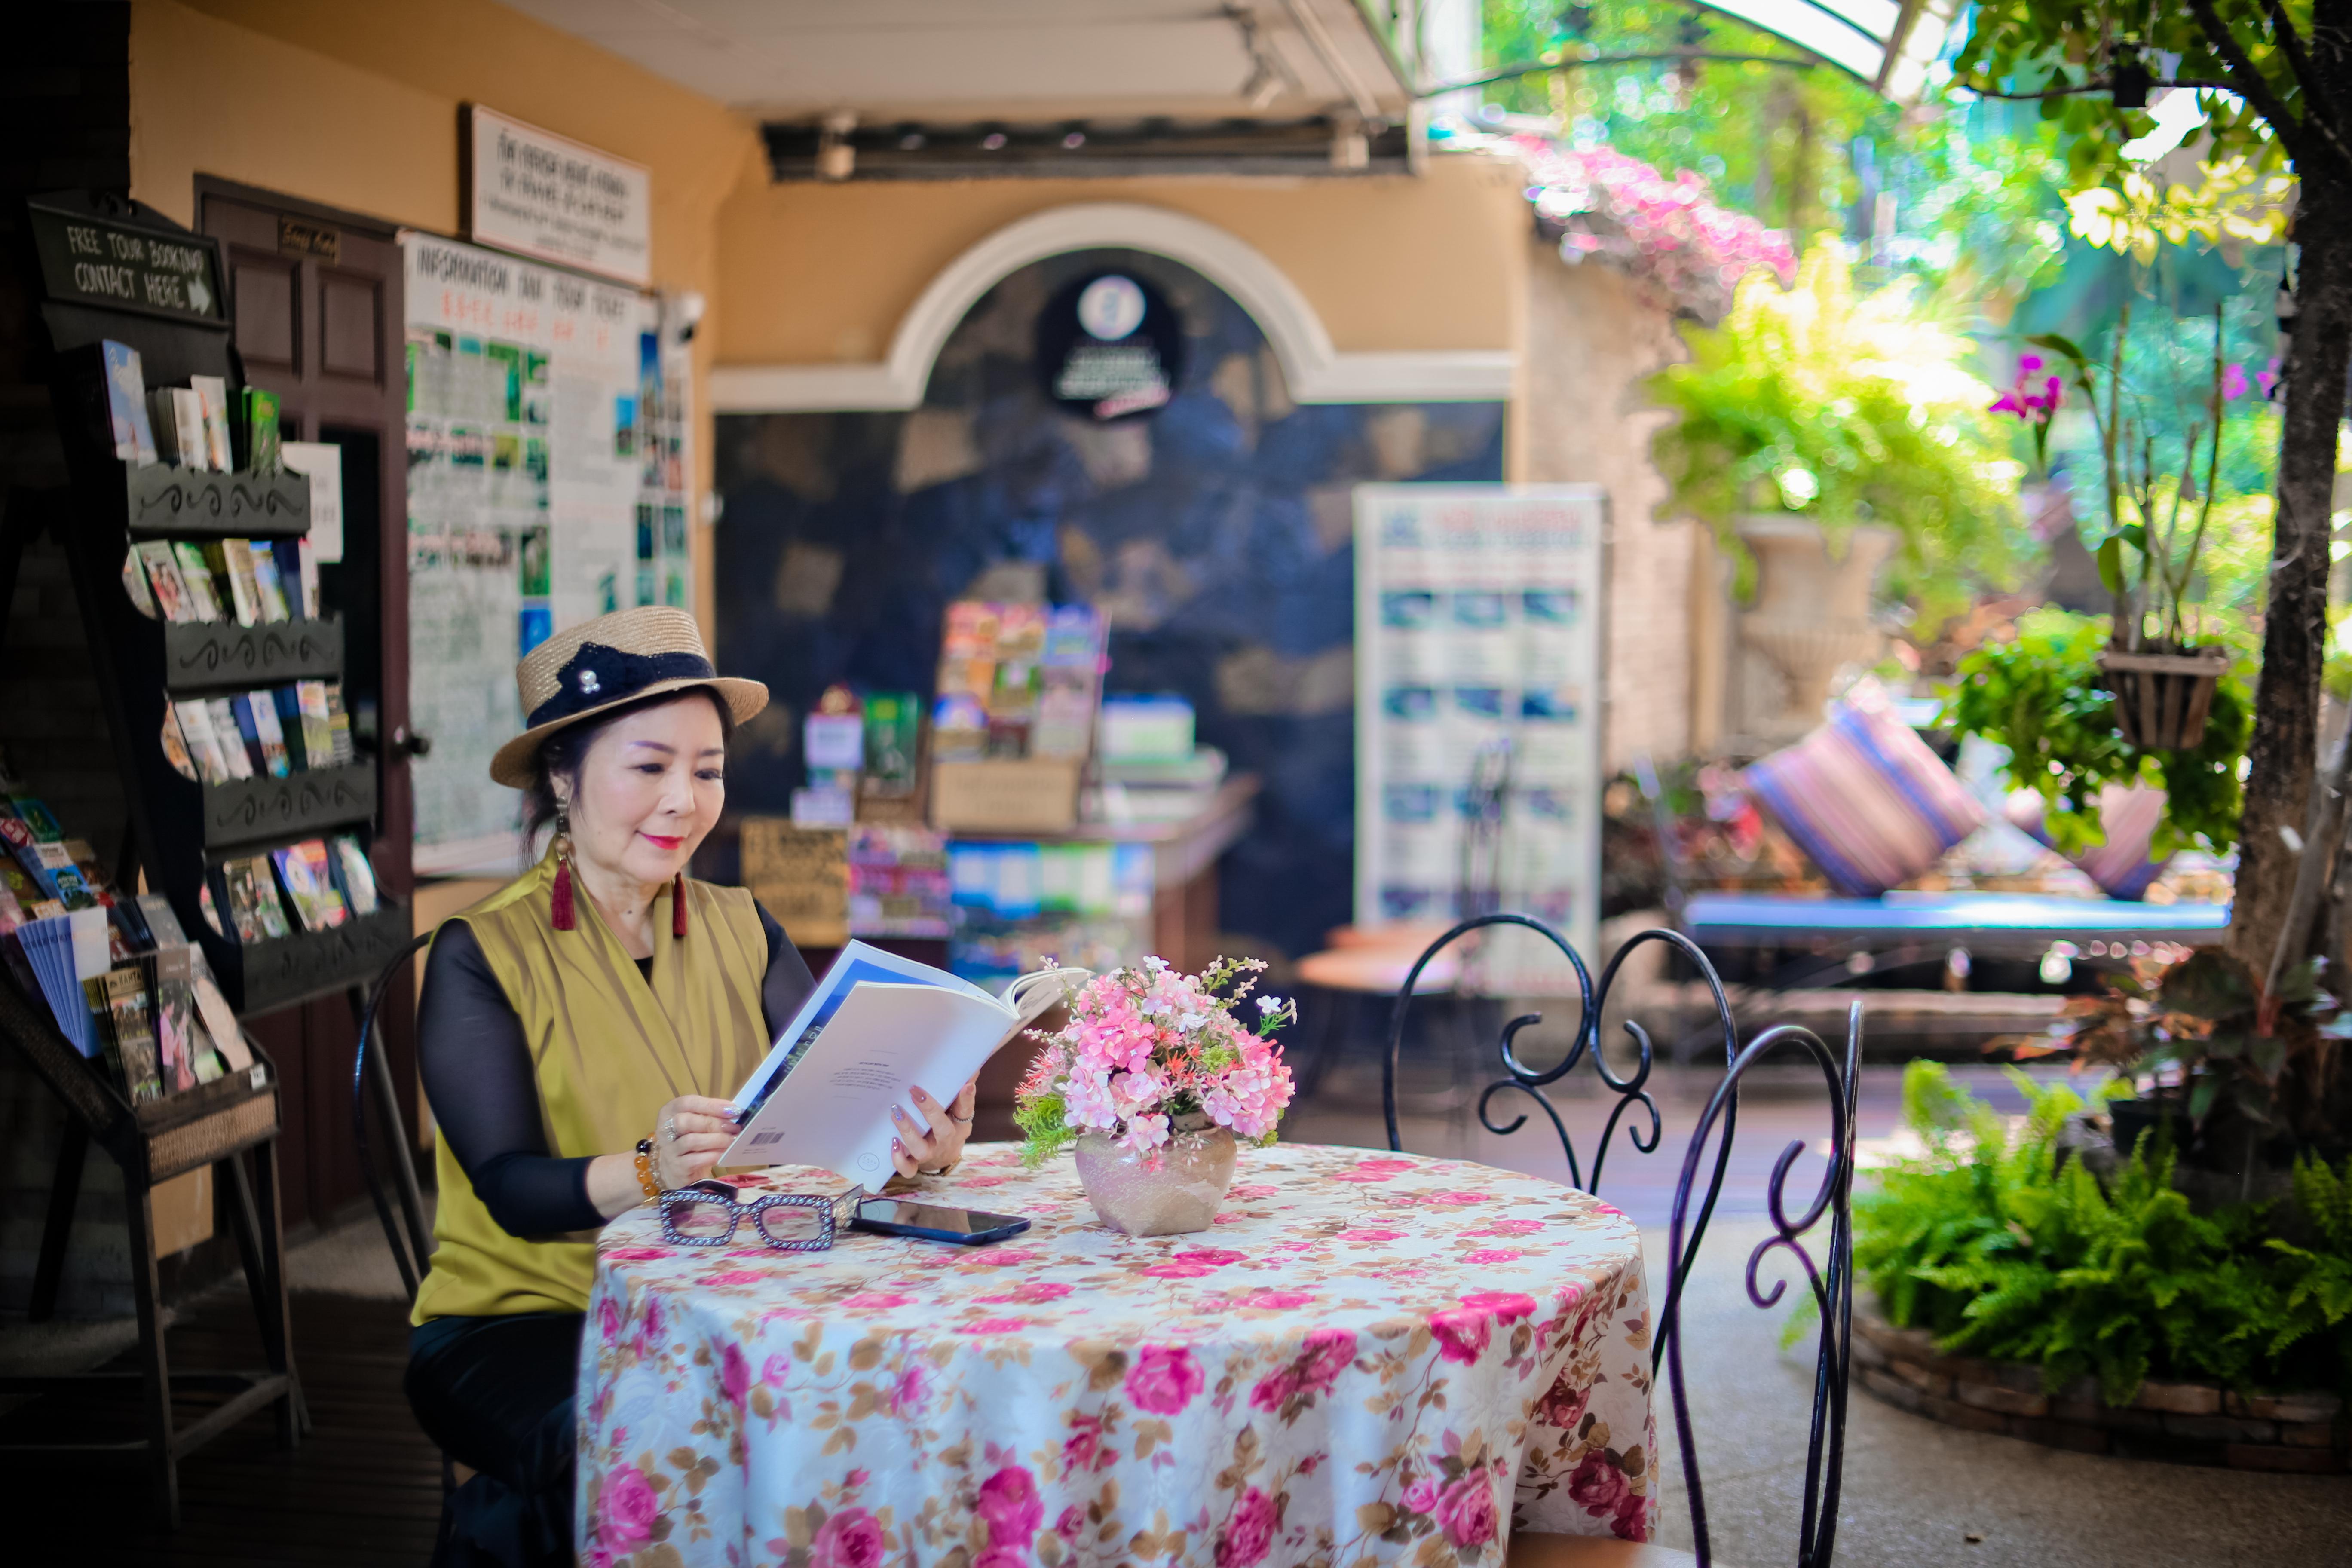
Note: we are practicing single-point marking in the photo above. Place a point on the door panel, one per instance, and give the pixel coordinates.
(351, 326)
(318, 300)
(269, 324)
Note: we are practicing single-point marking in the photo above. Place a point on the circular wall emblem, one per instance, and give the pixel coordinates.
(1110, 347)
(1111, 308)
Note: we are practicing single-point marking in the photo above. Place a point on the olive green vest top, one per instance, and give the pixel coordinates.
(610, 1049)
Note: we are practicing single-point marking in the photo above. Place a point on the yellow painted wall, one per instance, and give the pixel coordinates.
(819, 274)
(356, 106)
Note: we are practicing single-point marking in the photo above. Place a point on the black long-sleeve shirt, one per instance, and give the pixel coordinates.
(479, 1077)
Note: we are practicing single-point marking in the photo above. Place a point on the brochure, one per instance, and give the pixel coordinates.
(875, 1026)
(196, 575)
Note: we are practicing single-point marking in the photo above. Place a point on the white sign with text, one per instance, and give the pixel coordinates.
(544, 195)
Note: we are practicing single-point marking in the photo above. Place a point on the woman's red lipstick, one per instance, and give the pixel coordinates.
(659, 842)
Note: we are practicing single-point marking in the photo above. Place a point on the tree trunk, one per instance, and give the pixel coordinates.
(2284, 753)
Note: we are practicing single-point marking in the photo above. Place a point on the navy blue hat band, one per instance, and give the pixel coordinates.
(598, 676)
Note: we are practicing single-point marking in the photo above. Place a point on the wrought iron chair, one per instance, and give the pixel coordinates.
(1630, 1091)
(1830, 1281)
(373, 1098)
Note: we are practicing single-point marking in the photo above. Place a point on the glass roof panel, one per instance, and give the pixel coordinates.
(1890, 44)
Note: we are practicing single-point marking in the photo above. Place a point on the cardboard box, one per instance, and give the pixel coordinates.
(802, 875)
(1029, 794)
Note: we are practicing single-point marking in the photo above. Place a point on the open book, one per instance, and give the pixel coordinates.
(875, 1026)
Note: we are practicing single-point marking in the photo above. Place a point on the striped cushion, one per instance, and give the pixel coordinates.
(2122, 866)
(1866, 798)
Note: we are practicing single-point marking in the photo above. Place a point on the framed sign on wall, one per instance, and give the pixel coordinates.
(1479, 662)
(543, 195)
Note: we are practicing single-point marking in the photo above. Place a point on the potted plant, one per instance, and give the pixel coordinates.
(2162, 678)
(1154, 1079)
(2043, 694)
(1812, 415)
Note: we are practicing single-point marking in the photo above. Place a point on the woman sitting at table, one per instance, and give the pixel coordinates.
(578, 1032)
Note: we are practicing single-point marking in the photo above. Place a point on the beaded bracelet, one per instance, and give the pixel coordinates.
(646, 1178)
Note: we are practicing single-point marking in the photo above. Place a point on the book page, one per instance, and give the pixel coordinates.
(855, 962)
(833, 1107)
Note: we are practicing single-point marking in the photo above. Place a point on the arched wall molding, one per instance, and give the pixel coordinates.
(1316, 370)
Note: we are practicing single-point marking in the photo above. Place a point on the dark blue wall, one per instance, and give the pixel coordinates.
(1216, 534)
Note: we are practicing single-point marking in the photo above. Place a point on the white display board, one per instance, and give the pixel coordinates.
(547, 484)
(1477, 618)
(537, 193)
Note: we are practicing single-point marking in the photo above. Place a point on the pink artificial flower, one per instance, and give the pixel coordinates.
(2028, 363)
(734, 1375)
(1248, 1532)
(629, 1507)
(1164, 1379)
(849, 1538)
(1597, 1485)
(1009, 1505)
(1467, 1511)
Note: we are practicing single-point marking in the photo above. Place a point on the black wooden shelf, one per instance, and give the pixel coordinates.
(308, 963)
(206, 655)
(302, 804)
(160, 501)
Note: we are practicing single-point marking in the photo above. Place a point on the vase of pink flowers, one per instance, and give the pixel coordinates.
(1156, 1079)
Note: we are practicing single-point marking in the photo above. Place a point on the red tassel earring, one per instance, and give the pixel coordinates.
(677, 905)
(563, 918)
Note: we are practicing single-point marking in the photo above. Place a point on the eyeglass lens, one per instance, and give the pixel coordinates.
(703, 1218)
(790, 1223)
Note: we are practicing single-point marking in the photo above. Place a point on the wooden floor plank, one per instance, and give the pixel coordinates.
(363, 1490)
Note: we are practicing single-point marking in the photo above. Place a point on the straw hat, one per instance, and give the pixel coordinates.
(601, 664)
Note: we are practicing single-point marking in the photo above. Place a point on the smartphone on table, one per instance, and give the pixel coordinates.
(932, 1222)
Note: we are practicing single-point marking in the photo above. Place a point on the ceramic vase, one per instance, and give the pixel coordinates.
(1811, 616)
(1174, 1190)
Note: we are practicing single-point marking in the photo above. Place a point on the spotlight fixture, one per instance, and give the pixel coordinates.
(837, 156)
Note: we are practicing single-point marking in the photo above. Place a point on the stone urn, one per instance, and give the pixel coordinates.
(1174, 1190)
(1811, 615)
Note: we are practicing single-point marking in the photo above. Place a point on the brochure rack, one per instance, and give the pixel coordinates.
(183, 828)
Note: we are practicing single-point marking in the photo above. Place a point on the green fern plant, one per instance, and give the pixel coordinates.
(2001, 1253)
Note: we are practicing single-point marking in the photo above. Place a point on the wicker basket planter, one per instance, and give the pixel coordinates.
(2162, 698)
(2181, 1423)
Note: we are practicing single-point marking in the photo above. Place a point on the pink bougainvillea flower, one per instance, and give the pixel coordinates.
(1164, 1379)
(2233, 381)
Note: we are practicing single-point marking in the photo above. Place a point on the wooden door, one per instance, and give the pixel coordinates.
(317, 298)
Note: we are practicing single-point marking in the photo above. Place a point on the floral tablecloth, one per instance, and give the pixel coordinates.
(1370, 1359)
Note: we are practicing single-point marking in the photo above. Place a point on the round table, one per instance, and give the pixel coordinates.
(1368, 1351)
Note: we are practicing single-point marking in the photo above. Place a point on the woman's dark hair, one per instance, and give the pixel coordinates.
(560, 754)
